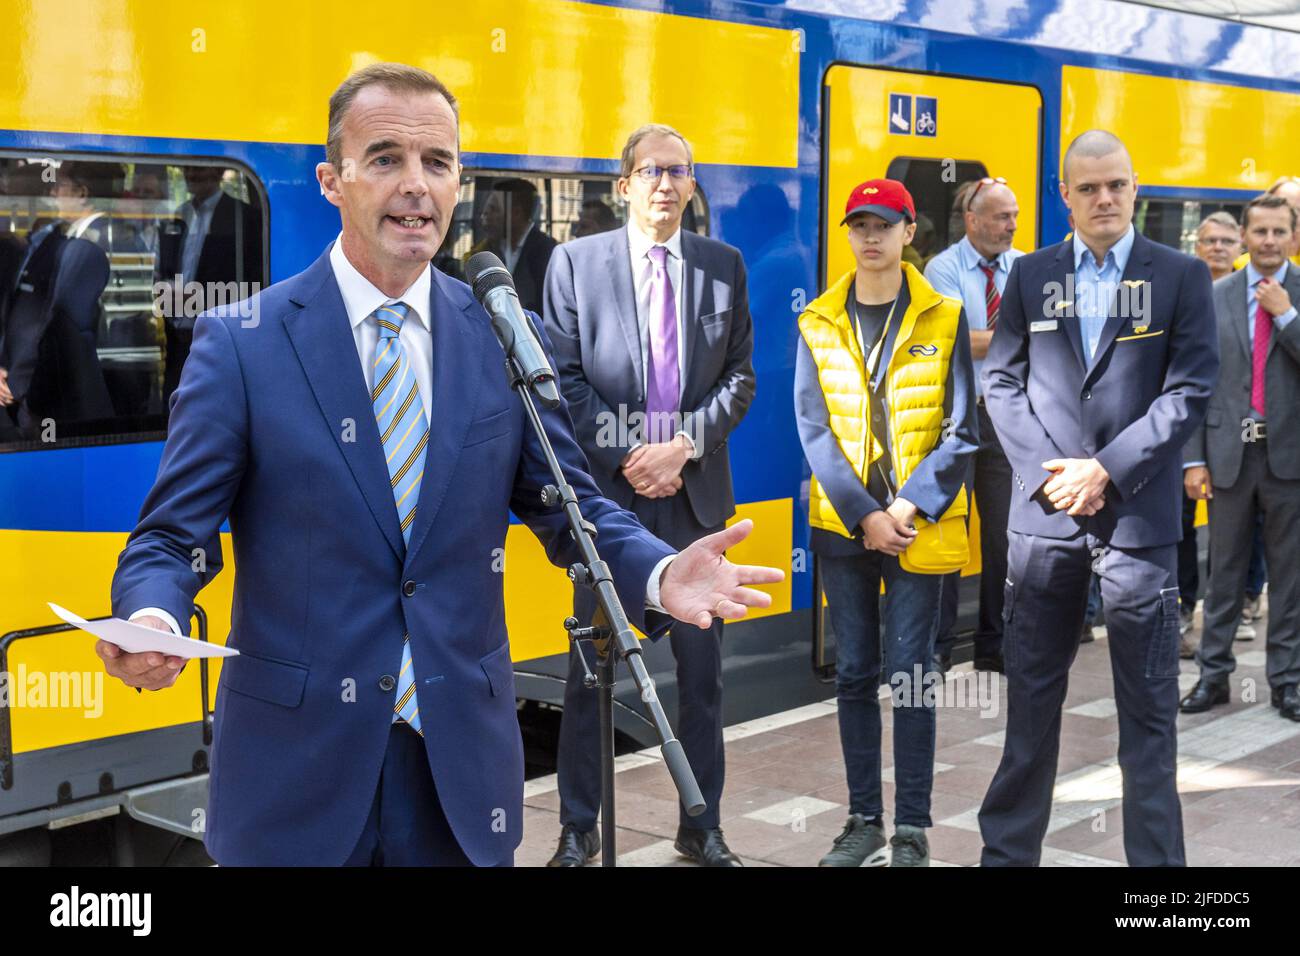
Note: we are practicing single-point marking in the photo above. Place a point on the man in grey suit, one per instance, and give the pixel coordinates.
(653, 344)
(1246, 459)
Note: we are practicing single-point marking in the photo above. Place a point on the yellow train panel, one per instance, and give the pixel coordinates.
(216, 70)
(1186, 133)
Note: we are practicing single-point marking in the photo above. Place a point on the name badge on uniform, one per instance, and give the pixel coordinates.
(1047, 325)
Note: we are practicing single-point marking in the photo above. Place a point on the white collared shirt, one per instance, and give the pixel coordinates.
(361, 299)
(639, 246)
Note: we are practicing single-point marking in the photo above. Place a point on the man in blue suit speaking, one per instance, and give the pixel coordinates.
(1099, 371)
(364, 443)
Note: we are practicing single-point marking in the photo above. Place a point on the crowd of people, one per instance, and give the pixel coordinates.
(1084, 429)
(1083, 391)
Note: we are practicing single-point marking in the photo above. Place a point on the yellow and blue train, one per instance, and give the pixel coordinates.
(788, 104)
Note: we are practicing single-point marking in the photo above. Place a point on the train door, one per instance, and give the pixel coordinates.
(933, 133)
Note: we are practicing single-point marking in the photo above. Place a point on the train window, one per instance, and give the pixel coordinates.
(935, 185)
(105, 263)
(522, 217)
(1173, 222)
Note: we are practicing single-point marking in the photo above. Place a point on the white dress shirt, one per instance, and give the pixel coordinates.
(361, 298)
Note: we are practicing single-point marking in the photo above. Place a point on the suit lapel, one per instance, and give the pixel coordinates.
(1062, 271)
(1138, 269)
(695, 281)
(457, 376)
(1239, 316)
(322, 337)
(618, 267)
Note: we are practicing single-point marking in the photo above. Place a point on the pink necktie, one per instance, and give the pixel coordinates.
(662, 386)
(1263, 331)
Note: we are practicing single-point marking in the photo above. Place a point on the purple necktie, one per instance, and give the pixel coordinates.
(662, 385)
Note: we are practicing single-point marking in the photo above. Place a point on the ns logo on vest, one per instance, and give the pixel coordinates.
(923, 350)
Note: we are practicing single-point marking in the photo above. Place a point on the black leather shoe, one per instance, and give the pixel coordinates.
(705, 847)
(942, 663)
(1289, 705)
(576, 847)
(991, 663)
(1204, 696)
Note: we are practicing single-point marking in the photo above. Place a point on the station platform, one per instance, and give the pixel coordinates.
(786, 799)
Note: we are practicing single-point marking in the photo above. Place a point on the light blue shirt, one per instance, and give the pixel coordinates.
(956, 272)
(1094, 287)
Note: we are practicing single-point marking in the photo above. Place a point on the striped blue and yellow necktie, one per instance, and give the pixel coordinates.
(404, 431)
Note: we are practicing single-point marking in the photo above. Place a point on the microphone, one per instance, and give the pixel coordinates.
(495, 290)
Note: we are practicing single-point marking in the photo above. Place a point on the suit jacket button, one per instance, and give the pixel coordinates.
(409, 589)
(387, 683)
(1087, 395)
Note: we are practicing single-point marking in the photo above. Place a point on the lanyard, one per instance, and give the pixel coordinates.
(868, 373)
(874, 360)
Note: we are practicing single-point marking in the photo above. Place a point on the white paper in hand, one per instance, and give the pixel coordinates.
(137, 639)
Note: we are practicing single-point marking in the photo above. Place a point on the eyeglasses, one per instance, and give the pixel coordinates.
(652, 173)
(986, 181)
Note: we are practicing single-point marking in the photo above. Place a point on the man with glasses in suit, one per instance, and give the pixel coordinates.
(653, 321)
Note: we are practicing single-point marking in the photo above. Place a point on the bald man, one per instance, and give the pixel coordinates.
(1100, 369)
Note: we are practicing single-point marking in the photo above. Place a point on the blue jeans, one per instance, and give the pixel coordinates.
(911, 619)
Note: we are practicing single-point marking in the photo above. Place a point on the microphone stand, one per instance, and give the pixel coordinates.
(611, 634)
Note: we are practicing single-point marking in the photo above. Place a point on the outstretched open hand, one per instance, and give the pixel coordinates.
(701, 584)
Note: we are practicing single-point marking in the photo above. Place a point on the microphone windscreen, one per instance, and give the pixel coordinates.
(485, 272)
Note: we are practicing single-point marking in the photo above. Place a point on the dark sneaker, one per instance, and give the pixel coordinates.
(911, 848)
(1250, 608)
(576, 847)
(860, 844)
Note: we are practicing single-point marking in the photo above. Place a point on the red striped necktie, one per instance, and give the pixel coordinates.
(992, 299)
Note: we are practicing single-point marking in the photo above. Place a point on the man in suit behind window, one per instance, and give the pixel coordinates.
(510, 231)
(214, 239)
(653, 320)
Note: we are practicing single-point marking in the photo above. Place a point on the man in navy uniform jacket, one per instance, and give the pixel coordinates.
(363, 440)
(1100, 370)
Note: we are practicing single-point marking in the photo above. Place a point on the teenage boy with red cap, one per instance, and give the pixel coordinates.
(885, 397)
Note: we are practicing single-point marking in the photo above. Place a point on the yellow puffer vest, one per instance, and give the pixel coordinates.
(914, 393)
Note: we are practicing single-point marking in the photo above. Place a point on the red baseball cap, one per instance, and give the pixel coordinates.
(886, 198)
